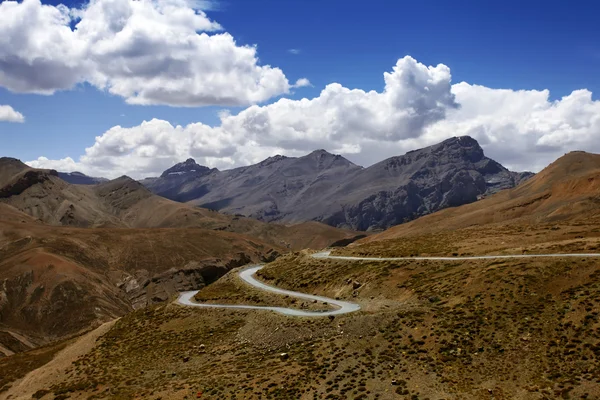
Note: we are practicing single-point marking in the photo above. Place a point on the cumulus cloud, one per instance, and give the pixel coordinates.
(294, 51)
(523, 129)
(146, 51)
(64, 165)
(8, 114)
(148, 149)
(302, 82)
(414, 97)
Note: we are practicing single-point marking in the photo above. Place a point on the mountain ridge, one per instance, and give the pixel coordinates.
(567, 189)
(126, 203)
(79, 178)
(325, 187)
(103, 250)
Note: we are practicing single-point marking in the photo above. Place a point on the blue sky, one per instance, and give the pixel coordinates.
(516, 45)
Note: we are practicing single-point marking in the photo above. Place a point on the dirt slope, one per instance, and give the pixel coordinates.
(567, 190)
(58, 281)
(125, 203)
(99, 251)
(503, 329)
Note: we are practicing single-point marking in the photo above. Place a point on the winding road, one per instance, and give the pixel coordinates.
(247, 274)
(344, 307)
(327, 254)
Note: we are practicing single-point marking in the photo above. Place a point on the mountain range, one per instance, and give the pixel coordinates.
(462, 321)
(79, 178)
(105, 247)
(566, 192)
(100, 251)
(329, 188)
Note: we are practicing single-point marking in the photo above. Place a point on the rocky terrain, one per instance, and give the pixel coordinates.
(74, 256)
(568, 190)
(328, 188)
(60, 281)
(125, 203)
(500, 328)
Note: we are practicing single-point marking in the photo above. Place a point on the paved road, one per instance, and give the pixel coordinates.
(344, 307)
(327, 254)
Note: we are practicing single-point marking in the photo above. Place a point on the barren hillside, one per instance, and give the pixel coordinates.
(125, 203)
(329, 188)
(568, 188)
(99, 251)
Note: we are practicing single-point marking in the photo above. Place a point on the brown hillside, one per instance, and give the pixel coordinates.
(125, 203)
(58, 281)
(11, 214)
(99, 251)
(567, 190)
(9, 168)
(501, 329)
(447, 329)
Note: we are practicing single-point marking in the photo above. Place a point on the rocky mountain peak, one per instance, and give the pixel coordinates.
(326, 159)
(322, 153)
(186, 167)
(79, 178)
(329, 188)
(272, 160)
(463, 146)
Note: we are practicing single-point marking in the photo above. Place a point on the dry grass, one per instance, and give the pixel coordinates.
(18, 365)
(502, 329)
(499, 238)
(515, 329)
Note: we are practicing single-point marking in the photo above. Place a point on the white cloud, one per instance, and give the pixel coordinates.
(294, 51)
(63, 165)
(523, 129)
(148, 149)
(38, 51)
(8, 114)
(339, 118)
(147, 51)
(302, 82)
(207, 5)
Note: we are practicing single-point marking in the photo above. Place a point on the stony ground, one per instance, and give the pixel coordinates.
(487, 329)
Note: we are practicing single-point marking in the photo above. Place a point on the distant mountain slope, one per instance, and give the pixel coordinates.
(77, 178)
(325, 187)
(98, 251)
(58, 281)
(566, 190)
(125, 203)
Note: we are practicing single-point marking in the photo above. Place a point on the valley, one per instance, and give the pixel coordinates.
(437, 329)
(100, 251)
(286, 200)
(499, 298)
(494, 299)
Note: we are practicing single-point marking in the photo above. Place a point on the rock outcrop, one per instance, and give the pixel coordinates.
(143, 289)
(328, 188)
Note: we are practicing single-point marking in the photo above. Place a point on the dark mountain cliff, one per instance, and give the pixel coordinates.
(325, 187)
